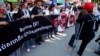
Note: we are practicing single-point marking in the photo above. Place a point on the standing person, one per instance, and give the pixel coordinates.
(97, 24)
(23, 12)
(13, 12)
(87, 32)
(4, 21)
(97, 15)
(38, 11)
(3, 17)
(51, 12)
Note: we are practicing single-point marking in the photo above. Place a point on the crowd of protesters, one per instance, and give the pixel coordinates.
(74, 15)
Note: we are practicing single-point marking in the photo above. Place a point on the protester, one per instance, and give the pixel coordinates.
(51, 9)
(97, 15)
(13, 13)
(3, 18)
(38, 11)
(5, 21)
(25, 13)
(29, 11)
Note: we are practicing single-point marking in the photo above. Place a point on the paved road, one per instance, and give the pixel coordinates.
(57, 47)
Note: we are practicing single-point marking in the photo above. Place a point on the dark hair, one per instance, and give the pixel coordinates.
(80, 8)
(46, 6)
(90, 11)
(36, 1)
(11, 6)
(51, 6)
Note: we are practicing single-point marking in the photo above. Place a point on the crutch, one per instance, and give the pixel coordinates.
(76, 39)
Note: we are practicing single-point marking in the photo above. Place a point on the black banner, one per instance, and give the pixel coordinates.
(13, 35)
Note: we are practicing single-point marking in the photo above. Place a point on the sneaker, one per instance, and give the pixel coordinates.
(28, 50)
(55, 36)
(52, 37)
(33, 46)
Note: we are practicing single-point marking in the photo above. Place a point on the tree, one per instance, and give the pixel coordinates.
(96, 1)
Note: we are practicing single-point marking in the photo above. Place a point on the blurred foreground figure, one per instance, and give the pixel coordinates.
(86, 32)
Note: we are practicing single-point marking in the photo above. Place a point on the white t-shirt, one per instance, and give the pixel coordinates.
(26, 12)
(46, 12)
(97, 13)
(56, 11)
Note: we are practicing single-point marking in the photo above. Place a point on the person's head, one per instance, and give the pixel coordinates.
(46, 6)
(88, 7)
(38, 2)
(3, 10)
(24, 5)
(51, 7)
(15, 8)
(62, 9)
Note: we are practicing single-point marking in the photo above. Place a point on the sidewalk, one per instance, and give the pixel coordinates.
(57, 47)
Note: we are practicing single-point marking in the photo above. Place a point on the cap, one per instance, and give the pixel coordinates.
(88, 6)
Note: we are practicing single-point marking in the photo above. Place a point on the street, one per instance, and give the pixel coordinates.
(57, 47)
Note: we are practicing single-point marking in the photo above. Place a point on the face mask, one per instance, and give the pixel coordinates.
(3, 10)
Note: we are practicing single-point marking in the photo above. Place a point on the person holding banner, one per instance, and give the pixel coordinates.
(13, 13)
(25, 13)
(51, 12)
(4, 21)
(3, 18)
(37, 11)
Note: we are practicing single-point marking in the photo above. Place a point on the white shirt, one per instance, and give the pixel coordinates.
(26, 13)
